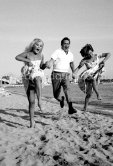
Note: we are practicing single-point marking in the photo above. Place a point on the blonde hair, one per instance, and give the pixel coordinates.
(30, 46)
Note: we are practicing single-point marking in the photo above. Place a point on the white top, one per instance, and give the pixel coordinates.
(32, 71)
(92, 67)
(36, 65)
(61, 60)
(92, 64)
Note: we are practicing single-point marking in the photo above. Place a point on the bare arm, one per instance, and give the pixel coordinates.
(105, 56)
(22, 57)
(74, 75)
(49, 63)
(42, 65)
(72, 66)
(81, 64)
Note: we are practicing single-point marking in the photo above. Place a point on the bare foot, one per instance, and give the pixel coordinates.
(84, 110)
(40, 107)
(99, 97)
(32, 124)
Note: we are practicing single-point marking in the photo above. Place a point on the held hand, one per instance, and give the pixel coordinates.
(101, 64)
(74, 76)
(47, 65)
(30, 64)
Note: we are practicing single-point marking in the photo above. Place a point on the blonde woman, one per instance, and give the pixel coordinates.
(32, 74)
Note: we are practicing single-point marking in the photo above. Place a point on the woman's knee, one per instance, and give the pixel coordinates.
(88, 95)
(38, 79)
(32, 102)
(38, 82)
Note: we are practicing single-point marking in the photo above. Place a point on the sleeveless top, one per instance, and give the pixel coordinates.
(31, 72)
(92, 67)
(91, 72)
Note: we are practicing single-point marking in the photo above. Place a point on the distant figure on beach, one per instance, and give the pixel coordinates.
(32, 74)
(62, 61)
(88, 79)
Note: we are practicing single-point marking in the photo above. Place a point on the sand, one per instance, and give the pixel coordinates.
(58, 138)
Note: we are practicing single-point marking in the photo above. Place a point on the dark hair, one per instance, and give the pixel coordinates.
(65, 38)
(84, 51)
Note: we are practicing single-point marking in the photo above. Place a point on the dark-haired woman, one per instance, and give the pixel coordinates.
(88, 79)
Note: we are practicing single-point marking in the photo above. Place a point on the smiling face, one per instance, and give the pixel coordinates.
(90, 53)
(65, 45)
(37, 47)
(87, 51)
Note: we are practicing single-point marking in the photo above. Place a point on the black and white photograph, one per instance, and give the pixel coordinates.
(56, 83)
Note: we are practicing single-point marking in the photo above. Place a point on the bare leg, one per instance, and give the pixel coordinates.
(89, 91)
(86, 103)
(95, 89)
(38, 89)
(31, 99)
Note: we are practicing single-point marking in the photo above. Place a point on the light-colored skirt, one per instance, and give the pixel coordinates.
(28, 74)
(88, 75)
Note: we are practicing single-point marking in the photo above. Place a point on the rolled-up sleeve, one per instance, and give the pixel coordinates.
(54, 55)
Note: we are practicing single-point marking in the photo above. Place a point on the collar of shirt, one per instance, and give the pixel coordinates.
(64, 51)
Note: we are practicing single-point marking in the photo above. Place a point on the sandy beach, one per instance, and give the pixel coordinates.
(58, 138)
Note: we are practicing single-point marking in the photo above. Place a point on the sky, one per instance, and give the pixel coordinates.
(83, 21)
